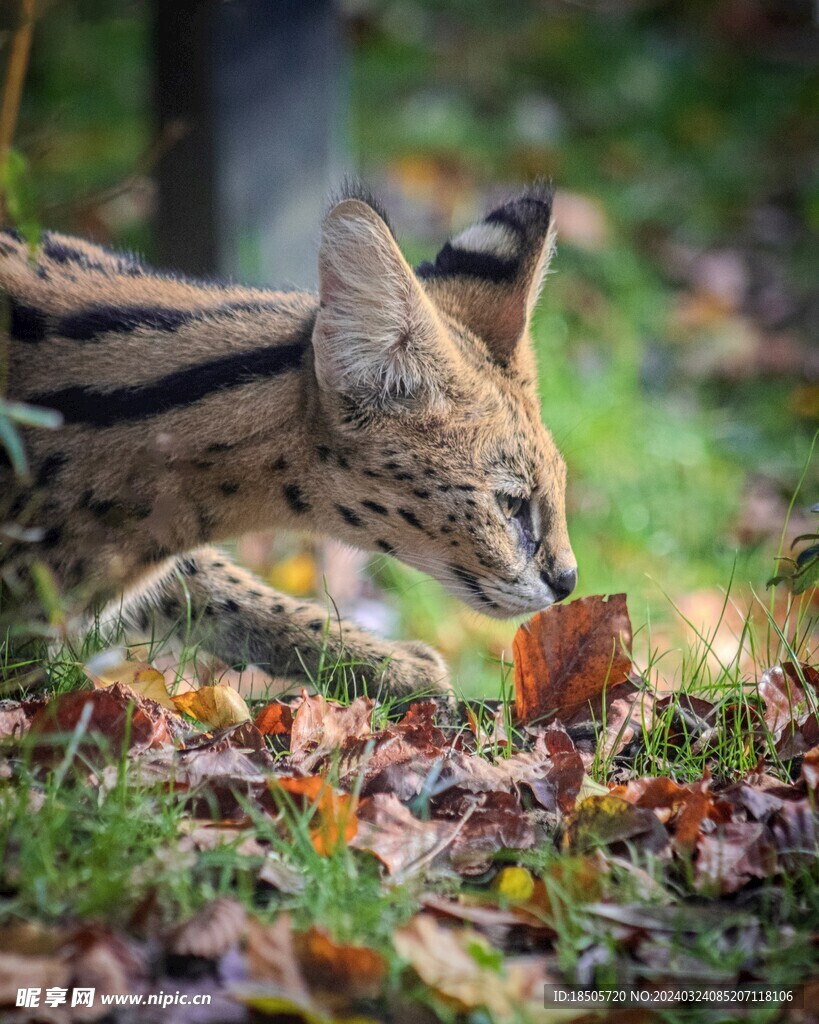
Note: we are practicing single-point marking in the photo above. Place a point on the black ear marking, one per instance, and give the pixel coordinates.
(489, 275)
(522, 225)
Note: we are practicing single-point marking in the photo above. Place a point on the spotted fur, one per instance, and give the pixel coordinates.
(396, 411)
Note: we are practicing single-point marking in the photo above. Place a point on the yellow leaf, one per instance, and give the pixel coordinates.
(214, 706)
(296, 575)
(514, 883)
(606, 820)
(139, 675)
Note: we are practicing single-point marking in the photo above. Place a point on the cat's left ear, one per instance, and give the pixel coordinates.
(378, 337)
(489, 277)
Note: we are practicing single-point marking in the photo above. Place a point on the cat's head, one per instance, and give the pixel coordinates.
(428, 377)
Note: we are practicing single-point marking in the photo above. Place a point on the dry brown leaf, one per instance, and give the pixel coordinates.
(14, 721)
(486, 823)
(387, 829)
(625, 709)
(789, 711)
(733, 855)
(203, 835)
(321, 728)
(214, 706)
(278, 874)
(211, 932)
(213, 763)
(485, 916)
(682, 808)
(40, 972)
(271, 959)
(810, 769)
(569, 654)
(108, 718)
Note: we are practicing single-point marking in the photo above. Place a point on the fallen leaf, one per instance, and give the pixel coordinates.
(460, 965)
(14, 720)
(334, 821)
(607, 724)
(213, 706)
(810, 769)
(493, 920)
(211, 932)
(488, 822)
(681, 808)
(795, 832)
(139, 675)
(321, 728)
(403, 843)
(560, 786)
(413, 755)
(608, 820)
(349, 972)
(104, 720)
(40, 972)
(733, 855)
(569, 654)
(281, 963)
(271, 960)
(281, 875)
(211, 835)
(275, 720)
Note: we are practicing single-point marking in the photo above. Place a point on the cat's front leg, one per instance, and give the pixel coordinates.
(207, 600)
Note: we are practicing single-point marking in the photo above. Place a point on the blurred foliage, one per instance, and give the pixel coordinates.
(674, 334)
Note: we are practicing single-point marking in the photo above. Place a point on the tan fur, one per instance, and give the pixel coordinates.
(393, 415)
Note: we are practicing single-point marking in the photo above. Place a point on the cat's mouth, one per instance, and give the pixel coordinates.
(499, 599)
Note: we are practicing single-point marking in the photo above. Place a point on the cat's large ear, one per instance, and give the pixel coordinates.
(489, 276)
(377, 337)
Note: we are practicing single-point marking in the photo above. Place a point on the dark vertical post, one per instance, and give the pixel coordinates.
(258, 86)
(185, 228)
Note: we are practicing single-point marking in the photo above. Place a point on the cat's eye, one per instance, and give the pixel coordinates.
(510, 505)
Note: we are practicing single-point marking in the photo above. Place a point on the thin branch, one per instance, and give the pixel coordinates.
(15, 76)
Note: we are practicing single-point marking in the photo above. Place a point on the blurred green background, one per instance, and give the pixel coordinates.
(678, 357)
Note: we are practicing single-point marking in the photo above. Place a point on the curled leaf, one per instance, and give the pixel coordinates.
(213, 706)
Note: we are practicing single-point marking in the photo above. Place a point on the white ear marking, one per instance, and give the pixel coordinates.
(495, 239)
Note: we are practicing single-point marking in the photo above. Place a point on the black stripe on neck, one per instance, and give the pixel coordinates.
(174, 391)
(93, 322)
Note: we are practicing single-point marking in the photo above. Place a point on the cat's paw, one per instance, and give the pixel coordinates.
(414, 668)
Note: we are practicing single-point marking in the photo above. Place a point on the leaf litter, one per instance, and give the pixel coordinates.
(493, 827)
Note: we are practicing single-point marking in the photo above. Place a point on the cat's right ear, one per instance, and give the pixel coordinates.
(377, 337)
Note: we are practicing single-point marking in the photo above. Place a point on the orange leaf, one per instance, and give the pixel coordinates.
(569, 654)
(275, 720)
(356, 971)
(334, 822)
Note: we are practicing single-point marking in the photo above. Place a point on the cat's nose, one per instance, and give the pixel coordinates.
(563, 584)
